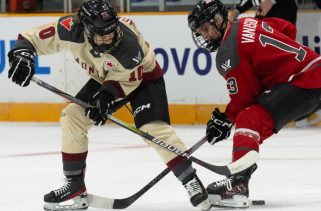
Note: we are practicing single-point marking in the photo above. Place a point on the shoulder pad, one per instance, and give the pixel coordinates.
(129, 53)
(227, 56)
(68, 30)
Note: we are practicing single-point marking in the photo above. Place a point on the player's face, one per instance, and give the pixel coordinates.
(208, 31)
(104, 39)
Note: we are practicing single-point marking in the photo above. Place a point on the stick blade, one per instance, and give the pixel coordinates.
(243, 163)
(100, 202)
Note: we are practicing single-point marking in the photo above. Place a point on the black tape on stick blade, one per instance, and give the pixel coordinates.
(258, 202)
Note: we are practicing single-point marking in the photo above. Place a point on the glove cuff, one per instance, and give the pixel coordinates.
(108, 95)
(24, 52)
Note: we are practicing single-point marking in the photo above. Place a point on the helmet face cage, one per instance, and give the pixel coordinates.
(256, 3)
(99, 18)
(208, 11)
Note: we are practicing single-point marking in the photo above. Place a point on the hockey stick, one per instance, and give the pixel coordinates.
(73, 99)
(243, 163)
(109, 203)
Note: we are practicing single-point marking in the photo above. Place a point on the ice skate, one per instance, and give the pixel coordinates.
(233, 191)
(197, 193)
(71, 196)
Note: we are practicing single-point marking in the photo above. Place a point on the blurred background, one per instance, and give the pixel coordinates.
(121, 5)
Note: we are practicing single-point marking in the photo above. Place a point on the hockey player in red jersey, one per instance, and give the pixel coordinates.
(123, 68)
(271, 80)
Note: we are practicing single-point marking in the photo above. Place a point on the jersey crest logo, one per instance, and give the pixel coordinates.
(67, 23)
(108, 65)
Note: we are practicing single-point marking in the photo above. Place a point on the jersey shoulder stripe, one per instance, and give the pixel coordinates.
(227, 56)
(129, 53)
(68, 30)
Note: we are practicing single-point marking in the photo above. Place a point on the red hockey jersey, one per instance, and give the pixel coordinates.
(257, 54)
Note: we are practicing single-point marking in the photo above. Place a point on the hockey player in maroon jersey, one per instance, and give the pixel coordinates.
(123, 68)
(271, 80)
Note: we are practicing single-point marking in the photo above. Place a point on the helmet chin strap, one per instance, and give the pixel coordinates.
(221, 28)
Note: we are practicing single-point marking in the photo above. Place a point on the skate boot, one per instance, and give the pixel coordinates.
(71, 196)
(233, 191)
(197, 193)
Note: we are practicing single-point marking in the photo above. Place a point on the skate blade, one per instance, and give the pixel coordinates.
(77, 203)
(238, 201)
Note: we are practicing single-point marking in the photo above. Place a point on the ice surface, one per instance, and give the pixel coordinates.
(119, 163)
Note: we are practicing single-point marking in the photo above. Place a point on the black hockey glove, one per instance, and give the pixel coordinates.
(218, 127)
(22, 66)
(103, 103)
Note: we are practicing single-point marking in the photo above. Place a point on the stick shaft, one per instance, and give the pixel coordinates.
(109, 203)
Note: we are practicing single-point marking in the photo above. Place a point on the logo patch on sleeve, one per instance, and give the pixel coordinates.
(67, 23)
(109, 65)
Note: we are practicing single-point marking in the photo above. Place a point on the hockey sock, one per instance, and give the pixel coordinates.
(242, 144)
(182, 168)
(74, 163)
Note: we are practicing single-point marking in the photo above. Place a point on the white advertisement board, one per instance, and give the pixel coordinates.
(190, 73)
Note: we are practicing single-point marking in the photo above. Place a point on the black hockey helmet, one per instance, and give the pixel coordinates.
(99, 17)
(208, 11)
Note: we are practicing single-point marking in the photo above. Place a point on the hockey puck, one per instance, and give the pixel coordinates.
(258, 202)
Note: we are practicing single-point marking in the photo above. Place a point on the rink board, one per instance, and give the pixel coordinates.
(193, 85)
(50, 112)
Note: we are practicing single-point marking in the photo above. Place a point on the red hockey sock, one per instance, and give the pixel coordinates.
(243, 143)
